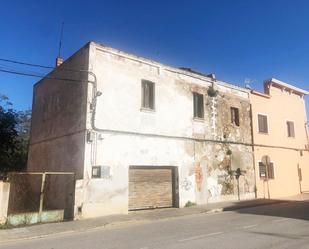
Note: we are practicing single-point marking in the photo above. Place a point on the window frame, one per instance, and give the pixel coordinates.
(195, 96)
(235, 116)
(287, 127)
(150, 106)
(267, 123)
(273, 171)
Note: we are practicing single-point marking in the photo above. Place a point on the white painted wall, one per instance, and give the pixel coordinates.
(4, 200)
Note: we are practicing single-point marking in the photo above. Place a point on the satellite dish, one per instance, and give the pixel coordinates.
(247, 86)
(266, 160)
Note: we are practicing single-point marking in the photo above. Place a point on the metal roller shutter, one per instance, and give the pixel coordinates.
(150, 188)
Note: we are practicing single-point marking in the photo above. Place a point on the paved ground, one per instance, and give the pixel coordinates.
(281, 225)
(43, 230)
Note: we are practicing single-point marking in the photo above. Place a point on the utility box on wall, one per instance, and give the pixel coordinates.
(103, 172)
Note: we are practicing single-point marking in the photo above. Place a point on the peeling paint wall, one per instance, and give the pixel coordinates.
(173, 137)
(206, 152)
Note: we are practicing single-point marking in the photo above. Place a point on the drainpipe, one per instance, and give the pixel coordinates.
(306, 128)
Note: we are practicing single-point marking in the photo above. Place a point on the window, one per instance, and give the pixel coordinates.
(198, 105)
(262, 169)
(148, 94)
(290, 127)
(235, 116)
(263, 125)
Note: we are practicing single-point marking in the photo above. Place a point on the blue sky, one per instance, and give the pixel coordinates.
(236, 40)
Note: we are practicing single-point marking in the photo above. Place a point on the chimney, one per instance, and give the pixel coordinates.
(59, 61)
(212, 75)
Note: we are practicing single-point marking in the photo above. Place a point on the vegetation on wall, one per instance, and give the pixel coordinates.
(212, 92)
(229, 152)
(227, 187)
(14, 137)
(190, 204)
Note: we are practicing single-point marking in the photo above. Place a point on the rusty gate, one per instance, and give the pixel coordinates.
(41, 192)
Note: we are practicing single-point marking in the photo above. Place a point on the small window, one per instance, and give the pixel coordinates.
(262, 169)
(291, 129)
(96, 172)
(148, 94)
(235, 116)
(263, 125)
(198, 105)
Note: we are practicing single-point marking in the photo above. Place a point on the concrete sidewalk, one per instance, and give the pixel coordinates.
(136, 217)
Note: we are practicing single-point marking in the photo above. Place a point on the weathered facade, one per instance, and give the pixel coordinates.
(4, 200)
(280, 132)
(141, 134)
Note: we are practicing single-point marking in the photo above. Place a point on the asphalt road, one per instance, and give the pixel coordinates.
(284, 225)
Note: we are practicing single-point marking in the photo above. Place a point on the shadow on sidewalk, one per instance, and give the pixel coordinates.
(293, 209)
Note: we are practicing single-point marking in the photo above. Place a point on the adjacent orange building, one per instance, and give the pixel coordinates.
(280, 135)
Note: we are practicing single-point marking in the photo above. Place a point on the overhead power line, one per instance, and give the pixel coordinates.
(9, 67)
(26, 63)
(39, 76)
(13, 71)
(42, 66)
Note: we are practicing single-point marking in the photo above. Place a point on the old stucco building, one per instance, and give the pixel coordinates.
(280, 132)
(140, 134)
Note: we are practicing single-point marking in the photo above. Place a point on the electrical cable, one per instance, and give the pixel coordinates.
(26, 63)
(42, 66)
(39, 76)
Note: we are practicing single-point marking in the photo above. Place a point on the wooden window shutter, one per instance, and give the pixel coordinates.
(291, 129)
(271, 171)
(263, 125)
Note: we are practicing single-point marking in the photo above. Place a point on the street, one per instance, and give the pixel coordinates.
(284, 225)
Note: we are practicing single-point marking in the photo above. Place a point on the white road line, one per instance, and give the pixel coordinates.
(280, 220)
(250, 226)
(200, 236)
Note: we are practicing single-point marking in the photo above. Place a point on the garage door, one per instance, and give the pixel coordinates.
(150, 187)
